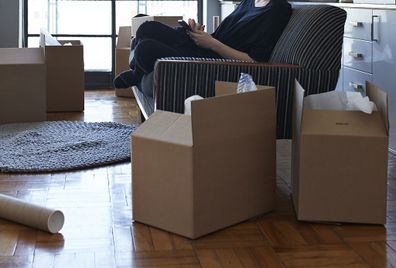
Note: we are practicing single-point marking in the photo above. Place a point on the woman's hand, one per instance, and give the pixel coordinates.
(202, 39)
(199, 36)
(195, 26)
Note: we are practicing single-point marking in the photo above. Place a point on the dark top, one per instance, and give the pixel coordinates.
(254, 30)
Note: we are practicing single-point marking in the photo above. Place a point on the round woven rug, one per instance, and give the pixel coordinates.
(62, 145)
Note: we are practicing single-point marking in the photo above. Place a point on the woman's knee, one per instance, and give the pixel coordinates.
(148, 29)
(144, 47)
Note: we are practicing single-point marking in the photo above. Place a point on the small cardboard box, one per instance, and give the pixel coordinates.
(123, 49)
(168, 20)
(339, 166)
(193, 175)
(22, 85)
(65, 75)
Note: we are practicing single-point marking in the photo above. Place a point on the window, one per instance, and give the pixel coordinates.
(95, 24)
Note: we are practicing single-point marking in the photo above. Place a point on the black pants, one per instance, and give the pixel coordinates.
(155, 40)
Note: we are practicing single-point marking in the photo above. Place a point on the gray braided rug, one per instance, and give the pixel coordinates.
(62, 145)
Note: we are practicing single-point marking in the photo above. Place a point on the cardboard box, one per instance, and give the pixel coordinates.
(123, 49)
(193, 175)
(22, 85)
(168, 20)
(340, 159)
(65, 76)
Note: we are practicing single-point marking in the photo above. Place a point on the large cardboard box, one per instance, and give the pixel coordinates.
(123, 50)
(168, 20)
(22, 85)
(339, 159)
(193, 175)
(65, 76)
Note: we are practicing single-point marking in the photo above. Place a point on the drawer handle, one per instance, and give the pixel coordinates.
(375, 21)
(355, 55)
(356, 23)
(356, 86)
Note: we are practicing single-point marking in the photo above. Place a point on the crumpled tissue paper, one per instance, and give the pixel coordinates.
(355, 101)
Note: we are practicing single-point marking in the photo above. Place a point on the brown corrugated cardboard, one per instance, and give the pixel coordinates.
(168, 20)
(65, 77)
(339, 160)
(193, 175)
(22, 85)
(123, 50)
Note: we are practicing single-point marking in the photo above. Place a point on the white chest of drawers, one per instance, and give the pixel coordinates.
(357, 49)
(369, 53)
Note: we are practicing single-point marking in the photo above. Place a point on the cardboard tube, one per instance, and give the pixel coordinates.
(39, 217)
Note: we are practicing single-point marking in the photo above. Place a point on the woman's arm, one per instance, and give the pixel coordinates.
(205, 40)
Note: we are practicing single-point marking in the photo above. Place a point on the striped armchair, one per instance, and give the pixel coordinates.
(308, 50)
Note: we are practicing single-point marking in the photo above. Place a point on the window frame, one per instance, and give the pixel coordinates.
(93, 79)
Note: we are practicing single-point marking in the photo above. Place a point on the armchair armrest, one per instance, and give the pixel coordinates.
(175, 79)
(183, 77)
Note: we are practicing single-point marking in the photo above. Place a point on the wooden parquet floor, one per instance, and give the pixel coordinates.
(99, 232)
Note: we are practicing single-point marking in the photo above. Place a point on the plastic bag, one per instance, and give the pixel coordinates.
(246, 83)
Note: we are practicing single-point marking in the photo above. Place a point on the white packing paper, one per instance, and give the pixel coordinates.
(46, 39)
(337, 100)
(187, 103)
(355, 101)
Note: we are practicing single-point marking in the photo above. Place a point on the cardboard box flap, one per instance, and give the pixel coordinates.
(332, 100)
(158, 122)
(298, 106)
(223, 88)
(168, 127)
(215, 119)
(71, 57)
(70, 42)
(124, 37)
(297, 111)
(343, 123)
(24, 56)
(179, 132)
(380, 98)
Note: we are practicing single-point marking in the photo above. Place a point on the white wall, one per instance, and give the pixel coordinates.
(10, 23)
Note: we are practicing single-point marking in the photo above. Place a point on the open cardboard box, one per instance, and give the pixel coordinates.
(65, 74)
(339, 167)
(22, 85)
(193, 175)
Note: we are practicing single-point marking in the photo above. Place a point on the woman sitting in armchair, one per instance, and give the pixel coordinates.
(249, 33)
